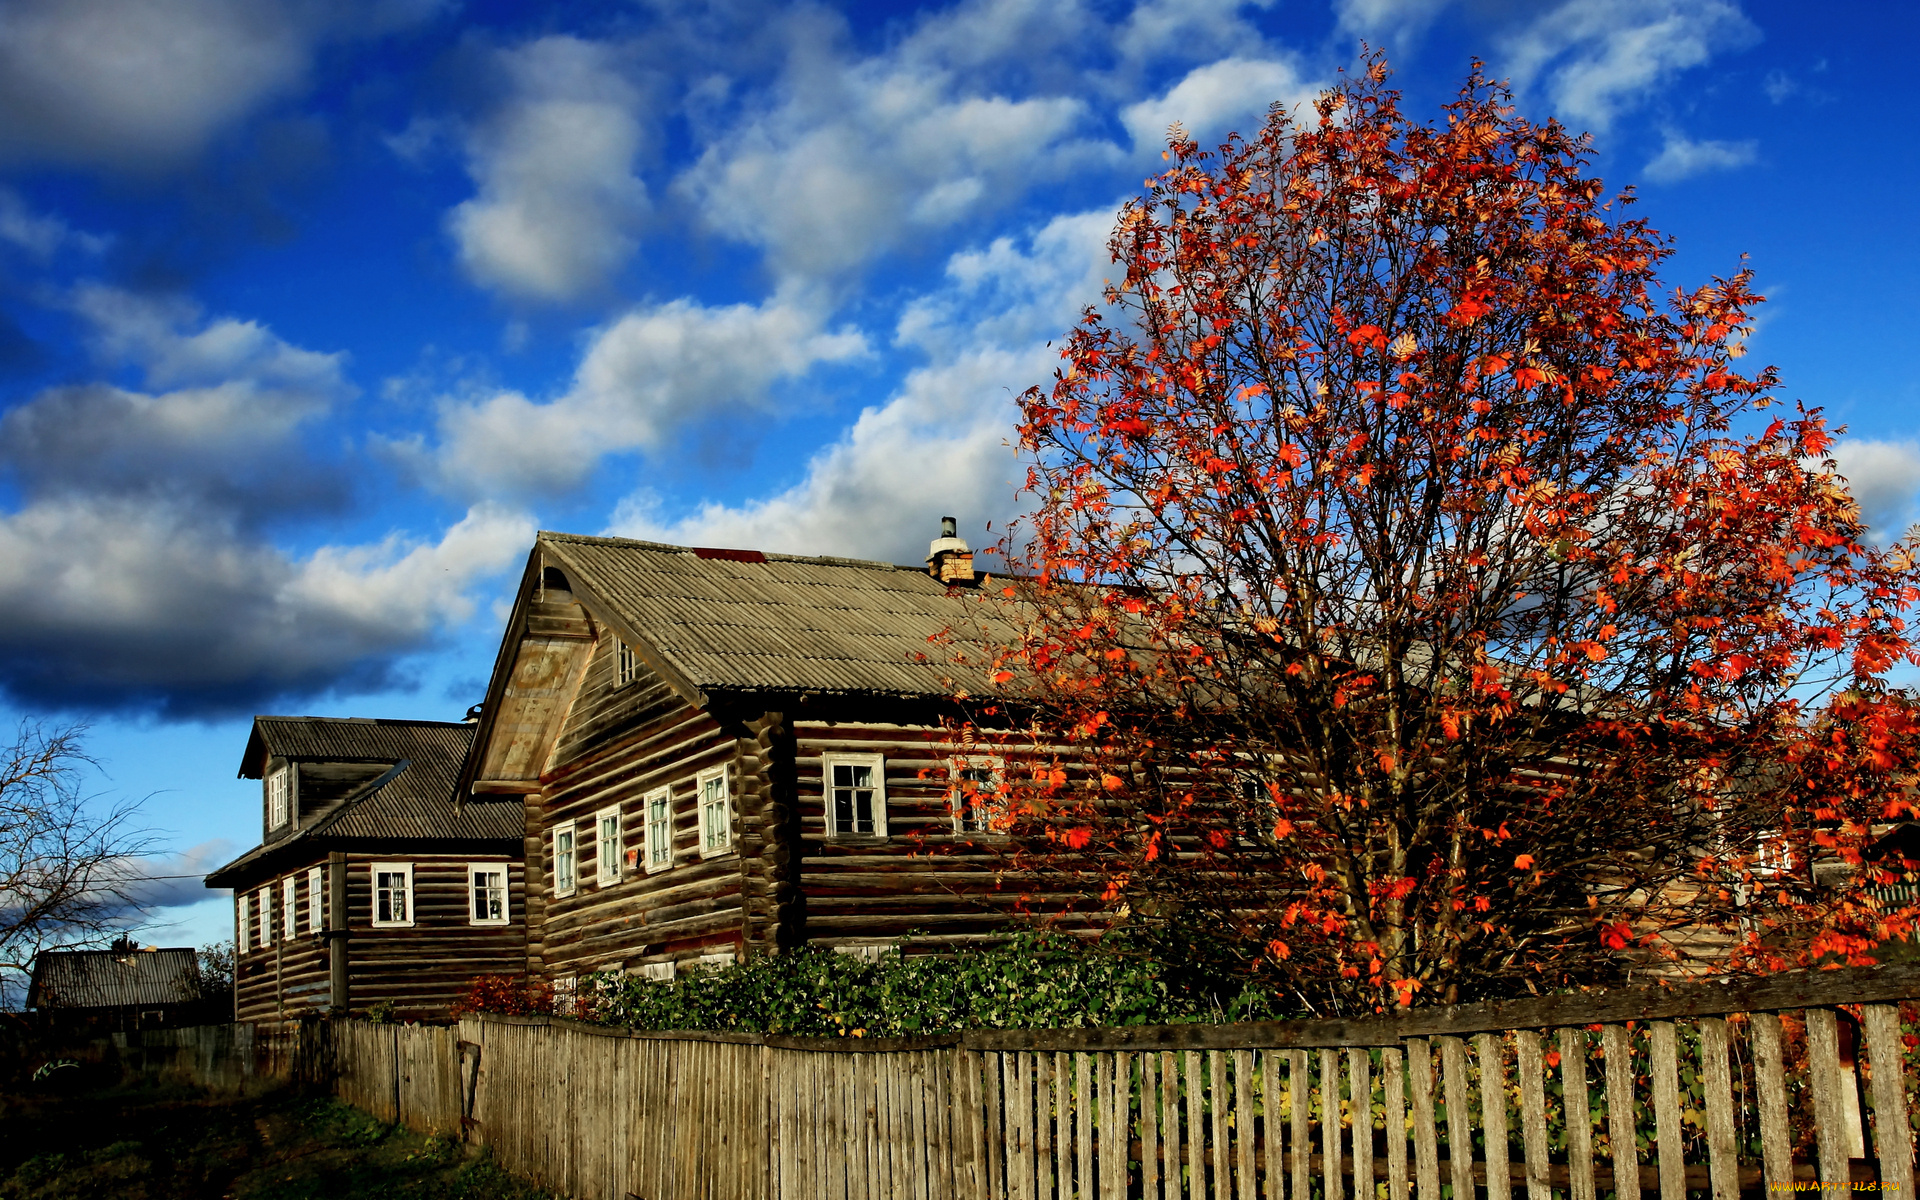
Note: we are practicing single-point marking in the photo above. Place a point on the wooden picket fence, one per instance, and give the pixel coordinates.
(1798, 1080)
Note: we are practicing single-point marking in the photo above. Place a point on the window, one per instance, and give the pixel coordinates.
(659, 829)
(316, 899)
(856, 795)
(289, 907)
(564, 880)
(716, 814)
(628, 667)
(489, 885)
(659, 972)
(279, 784)
(393, 894)
(978, 790)
(565, 993)
(606, 850)
(265, 904)
(241, 919)
(716, 961)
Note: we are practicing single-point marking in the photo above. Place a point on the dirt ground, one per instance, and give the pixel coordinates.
(149, 1143)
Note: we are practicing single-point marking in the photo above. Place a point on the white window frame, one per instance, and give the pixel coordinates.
(659, 972)
(607, 855)
(973, 818)
(879, 808)
(264, 902)
(719, 959)
(474, 873)
(242, 921)
(404, 869)
(566, 995)
(658, 837)
(626, 664)
(290, 907)
(565, 882)
(279, 796)
(316, 899)
(716, 812)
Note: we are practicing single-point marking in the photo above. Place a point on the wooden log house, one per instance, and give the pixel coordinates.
(370, 884)
(726, 753)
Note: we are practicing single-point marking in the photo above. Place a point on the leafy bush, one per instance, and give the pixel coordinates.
(512, 995)
(1035, 981)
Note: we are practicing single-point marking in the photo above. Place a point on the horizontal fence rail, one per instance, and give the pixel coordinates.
(1704, 1091)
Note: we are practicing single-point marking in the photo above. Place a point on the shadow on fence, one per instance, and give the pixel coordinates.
(1717, 1090)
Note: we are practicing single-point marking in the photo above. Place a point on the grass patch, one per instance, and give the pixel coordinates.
(159, 1143)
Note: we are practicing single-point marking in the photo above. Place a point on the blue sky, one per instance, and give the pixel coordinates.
(311, 312)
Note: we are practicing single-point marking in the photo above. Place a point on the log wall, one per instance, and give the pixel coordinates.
(421, 969)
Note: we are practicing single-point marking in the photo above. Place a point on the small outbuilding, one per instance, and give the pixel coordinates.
(126, 987)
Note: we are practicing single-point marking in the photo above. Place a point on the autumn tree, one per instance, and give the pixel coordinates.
(1422, 604)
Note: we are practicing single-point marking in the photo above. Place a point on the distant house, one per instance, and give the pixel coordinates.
(726, 753)
(370, 885)
(125, 988)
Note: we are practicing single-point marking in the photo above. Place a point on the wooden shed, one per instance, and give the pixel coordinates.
(370, 884)
(126, 987)
(723, 753)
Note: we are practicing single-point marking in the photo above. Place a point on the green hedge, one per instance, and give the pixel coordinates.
(1034, 981)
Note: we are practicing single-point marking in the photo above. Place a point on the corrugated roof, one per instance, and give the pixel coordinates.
(414, 803)
(114, 978)
(351, 739)
(785, 623)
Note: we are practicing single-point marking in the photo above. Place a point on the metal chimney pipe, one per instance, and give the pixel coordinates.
(949, 527)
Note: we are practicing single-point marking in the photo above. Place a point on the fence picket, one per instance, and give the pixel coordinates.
(1426, 1150)
(1892, 1130)
(1302, 1143)
(1330, 1124)
(1453, 1074)
(1273, 1139)
(1824, 1070)
(1530, 1070)
(1360, 1079)
(1578, 1111)
(1391, 1065)
(1083, 1124)
(1665, 1069)
(1171, 1146)
(1244, 1174)
(1717, 1078)
(1617, 1045)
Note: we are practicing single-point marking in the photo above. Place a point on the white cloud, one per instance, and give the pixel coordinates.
(41, 235)
(652, 370)
(852, 158)
(941, 444)
(1884, 478)
(1388, 22)
(114, 602)
(137, 84)
(1681, 157)
(1222, 97)
(558, 202)
(1595, 59)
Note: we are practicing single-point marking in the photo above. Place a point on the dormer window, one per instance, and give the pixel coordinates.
(279, 785)
(629, 664)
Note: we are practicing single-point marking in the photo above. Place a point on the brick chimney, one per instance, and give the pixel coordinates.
(948, 559)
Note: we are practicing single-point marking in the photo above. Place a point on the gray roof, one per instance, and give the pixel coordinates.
(114, 978)
(747, 621)
(351, 739)
(410, 803)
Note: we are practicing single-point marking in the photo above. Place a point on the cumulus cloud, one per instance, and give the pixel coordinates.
(1884, 478)
(940, 444)
(849, 159)
(139, 84)
(1388, 22)
(135, 567)
(41, 235)
(1682, 158)
(558, 203)
(1595, 59)
(1222, 97)
(645, 374)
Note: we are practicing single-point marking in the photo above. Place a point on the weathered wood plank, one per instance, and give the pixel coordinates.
(1273, 1137)
(1717, 1078)
(1664, 1067)
(1360, 1081)
(1330, 1123)
(1426, 1149)
(1245, 1175)
(1616, 1042)
(1392, 1066)
(1453, 1073)
(1083, 1117)
(1828, 1078)
(1579, 1114)
(1149, 1128)
(1299, 1099)
(1529, 1070)
(1171, 1145)
(1892, 1127)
